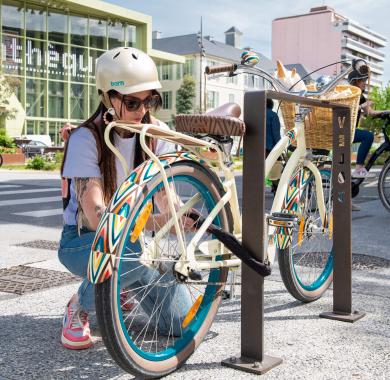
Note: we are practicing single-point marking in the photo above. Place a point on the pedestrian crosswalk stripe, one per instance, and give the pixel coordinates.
(15, 202)
(30, 191)
(8, 186)
(41, 213)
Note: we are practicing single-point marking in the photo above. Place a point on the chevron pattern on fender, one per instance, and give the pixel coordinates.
(294, 191)
(283, 235)
(99, 267)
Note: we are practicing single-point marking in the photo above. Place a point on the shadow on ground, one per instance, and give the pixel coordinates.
(34, 339)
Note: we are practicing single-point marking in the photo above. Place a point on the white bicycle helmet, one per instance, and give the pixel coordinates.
(126, 70)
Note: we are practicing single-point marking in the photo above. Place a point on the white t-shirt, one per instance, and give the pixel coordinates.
(82, 161)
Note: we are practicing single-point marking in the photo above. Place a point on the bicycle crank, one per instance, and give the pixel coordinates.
(233, 245)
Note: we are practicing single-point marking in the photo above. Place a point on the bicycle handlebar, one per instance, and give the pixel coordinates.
(357, 64)
(220, 69)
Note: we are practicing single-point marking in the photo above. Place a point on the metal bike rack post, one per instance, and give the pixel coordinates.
(252, 358)
(342, 235)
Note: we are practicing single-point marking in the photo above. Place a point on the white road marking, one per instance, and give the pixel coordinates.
(9, 186)
(41, 213)
(15, 202)
(30, 191)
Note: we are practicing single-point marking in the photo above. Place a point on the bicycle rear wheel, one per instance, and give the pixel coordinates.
(169, 317)
(306, 266)
(384, 186)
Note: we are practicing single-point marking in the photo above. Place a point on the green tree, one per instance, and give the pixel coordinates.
(381, 99)
(185, 95)
(7, 88)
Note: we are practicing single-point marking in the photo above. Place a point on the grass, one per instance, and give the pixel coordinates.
(24, 167)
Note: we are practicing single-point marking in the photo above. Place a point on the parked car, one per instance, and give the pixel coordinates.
(34, 148)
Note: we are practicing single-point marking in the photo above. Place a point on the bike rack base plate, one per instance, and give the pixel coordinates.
(351, 318)
(252, 365)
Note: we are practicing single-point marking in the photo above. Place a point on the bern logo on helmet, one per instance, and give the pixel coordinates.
(118, 83)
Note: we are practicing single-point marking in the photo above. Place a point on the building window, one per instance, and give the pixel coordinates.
(79, 64)
(36, 23)
(131, 35)
(188, 68)
(116, 35)
(56, 99)
(12, 18)
(258, 82)
(166, 72)
(231, 98)
(12, 55)
(78, 101)
(35, 97)
(248, 81)
(232, 80)
(212, 99)
(166, 100)
(57, 25)
(179, 71)
(97, 34)
(78, 30)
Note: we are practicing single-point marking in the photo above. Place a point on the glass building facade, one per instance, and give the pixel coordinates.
(50, 51)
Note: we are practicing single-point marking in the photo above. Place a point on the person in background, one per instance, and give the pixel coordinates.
(362, 136)
(272, 127)
(272, 135)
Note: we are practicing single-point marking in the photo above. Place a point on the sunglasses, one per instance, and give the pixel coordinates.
(133, 104)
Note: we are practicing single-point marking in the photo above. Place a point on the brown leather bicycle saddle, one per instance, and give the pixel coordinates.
(222, 121)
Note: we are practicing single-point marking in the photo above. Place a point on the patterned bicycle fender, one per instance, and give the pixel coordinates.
(283, 235)
(111, 226)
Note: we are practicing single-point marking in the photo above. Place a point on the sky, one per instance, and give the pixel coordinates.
(254, 18)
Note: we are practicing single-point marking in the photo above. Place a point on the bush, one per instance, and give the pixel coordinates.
(36, 163)
(7, 150)
(58, 157)
(5, 140)
(41, 163)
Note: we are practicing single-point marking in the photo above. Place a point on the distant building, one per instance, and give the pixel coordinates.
(199, 54)
(323, 36)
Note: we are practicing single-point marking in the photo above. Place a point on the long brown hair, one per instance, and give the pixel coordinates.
(106, 158)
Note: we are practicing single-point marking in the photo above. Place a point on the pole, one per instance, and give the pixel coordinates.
(252, 358)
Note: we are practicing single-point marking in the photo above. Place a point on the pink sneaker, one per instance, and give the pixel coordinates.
(126, 304)
(76, 334)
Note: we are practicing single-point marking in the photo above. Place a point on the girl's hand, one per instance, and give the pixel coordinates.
(65, 131)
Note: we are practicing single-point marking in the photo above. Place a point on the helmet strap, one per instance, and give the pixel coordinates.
(108, 104)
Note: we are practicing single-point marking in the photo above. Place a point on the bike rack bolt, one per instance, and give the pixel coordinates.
(233, 359)
(256, 365)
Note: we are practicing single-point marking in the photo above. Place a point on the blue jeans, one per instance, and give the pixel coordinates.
(73, 253)
(365, 138)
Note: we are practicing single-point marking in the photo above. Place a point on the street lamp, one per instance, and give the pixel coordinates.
(201, 55)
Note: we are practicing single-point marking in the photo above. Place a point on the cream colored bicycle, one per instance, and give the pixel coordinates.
(178, 220)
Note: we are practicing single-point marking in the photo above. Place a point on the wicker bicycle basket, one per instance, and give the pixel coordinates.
(318, 123)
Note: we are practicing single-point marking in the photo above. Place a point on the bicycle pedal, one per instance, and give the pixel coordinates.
(226, 295)
(194, 275)
(282, 219)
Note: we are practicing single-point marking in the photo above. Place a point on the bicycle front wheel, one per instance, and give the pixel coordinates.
(164, 317)
(306, 266)
(384, 185)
